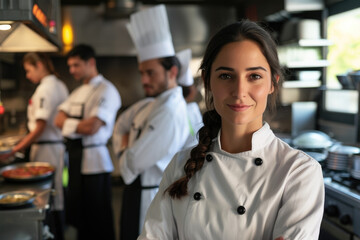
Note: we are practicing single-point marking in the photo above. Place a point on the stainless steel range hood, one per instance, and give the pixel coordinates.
(30, 25)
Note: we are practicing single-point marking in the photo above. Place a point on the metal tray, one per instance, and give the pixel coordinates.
(4, 150)
(30, 178)
(16, 198)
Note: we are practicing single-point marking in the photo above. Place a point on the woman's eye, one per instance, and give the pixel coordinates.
(225, 76)
(255, 76)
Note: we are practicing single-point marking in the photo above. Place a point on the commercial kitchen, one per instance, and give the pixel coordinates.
(318, 110)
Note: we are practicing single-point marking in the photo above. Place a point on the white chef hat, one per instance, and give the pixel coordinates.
(185, 77)
(150, 32)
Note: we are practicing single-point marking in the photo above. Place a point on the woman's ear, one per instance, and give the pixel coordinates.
(277, 78)
(39, 65)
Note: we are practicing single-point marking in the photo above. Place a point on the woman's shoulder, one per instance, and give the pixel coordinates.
(175, 168)
(296, 158)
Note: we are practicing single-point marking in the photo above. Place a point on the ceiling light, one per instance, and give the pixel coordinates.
(5, 27)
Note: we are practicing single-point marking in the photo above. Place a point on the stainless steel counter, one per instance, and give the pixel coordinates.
(25, 222)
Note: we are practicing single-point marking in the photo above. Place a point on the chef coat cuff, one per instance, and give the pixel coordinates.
(69, 128)
(127, 175)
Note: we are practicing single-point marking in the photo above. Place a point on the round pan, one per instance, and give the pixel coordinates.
(16, 198)
(27, 178)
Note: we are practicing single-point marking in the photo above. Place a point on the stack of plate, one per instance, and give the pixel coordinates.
(337, 161)
(355, 174)
(355, 166)
(339, 157)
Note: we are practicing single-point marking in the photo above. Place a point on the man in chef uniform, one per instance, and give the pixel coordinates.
(186, 81)
(87, 119)
(160, 126)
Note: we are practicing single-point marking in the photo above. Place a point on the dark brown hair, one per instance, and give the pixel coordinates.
(239, 31)
(169, 62)
(83, 51)
(34, 57)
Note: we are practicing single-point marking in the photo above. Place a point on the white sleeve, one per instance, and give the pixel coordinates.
(44, 102)
(161, 138)
(159, 222)
(107, 105)
(123, 123)
(69, 128)
(302, 206)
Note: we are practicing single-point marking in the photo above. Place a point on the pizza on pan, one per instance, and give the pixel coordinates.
(27, 172)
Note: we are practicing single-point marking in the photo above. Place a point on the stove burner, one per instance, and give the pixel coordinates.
(343, 178)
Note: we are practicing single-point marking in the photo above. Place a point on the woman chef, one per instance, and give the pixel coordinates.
(240, 181)
(45, 139)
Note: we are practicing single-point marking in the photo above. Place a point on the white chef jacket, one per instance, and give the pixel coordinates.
(164, 130)
(270, 191)
(195, 121)
(123, 123)
(99, 98)
(43, 105)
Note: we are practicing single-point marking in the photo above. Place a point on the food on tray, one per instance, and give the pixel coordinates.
(16, 198)
(27, 172)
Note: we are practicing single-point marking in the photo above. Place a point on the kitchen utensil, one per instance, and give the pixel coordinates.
(312, 139)
(354, 77)
(355, 166)
(339, 157)
(345, 81)
(308, 75)
(32, 173)
(7, 143)
(16, 198)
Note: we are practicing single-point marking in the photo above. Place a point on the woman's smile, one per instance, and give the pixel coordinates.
(239, 107)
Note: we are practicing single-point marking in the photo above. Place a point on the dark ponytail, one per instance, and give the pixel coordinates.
(212, 124)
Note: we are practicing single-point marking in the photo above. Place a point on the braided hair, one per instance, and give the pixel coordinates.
(236, 32)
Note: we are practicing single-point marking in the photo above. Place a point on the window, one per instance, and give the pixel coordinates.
(344, 57)
(344, 54)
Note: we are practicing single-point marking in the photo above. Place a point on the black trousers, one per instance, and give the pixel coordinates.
(88, 199)
(130, 211)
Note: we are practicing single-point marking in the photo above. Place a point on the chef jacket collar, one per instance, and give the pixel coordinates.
(165, 95)
(97, 79)
(260, 139)
(48, 78)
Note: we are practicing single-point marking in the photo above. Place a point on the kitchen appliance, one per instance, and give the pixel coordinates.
(341, 219)
(31, 25)
(26, 221)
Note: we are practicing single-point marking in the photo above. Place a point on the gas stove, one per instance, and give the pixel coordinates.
(342, 206)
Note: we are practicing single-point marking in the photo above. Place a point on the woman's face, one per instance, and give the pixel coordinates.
(33, 73)
(240, 83)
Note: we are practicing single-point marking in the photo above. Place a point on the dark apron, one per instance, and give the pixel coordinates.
(74, 148)
(131, 202)
(130, 210)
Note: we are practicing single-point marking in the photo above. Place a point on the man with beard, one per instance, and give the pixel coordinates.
(149, 133)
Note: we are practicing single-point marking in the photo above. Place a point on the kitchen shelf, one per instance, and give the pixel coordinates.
(308, 43)
(308, 64)
(301, 84)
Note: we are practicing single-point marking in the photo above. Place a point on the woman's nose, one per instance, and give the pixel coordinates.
(239, 88)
